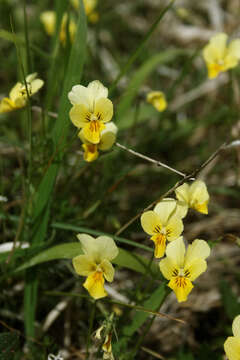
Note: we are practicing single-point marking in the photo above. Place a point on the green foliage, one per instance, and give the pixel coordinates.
(9, 345)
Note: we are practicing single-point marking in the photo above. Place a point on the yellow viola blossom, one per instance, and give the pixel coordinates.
(91, 109)
(89, 6)
(181, 269)
(95, 263)
(194, 196)
(48, 19)
(232, 344)
(162, 224)
(107, 139)
(18, 95)
(220, 56)
(157, 99)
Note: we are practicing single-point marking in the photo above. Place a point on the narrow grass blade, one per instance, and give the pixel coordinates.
(140, 48)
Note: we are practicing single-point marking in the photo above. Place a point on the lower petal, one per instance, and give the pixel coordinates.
(232, 348)
(160, 245)
(181, 286)
(214, 70)
(92, 130)
(6, 105)
(202, 208)
(90, 152)
(94, 285)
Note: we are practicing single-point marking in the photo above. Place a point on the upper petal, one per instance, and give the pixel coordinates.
(80, 95)
(234, 48)
(165, 209)
(96, 90)
(150, 222)
(36, 85)
(236, 326)
(216, 49)
(107, 248)
(83, 265)
(176, 251)
(88, 244)
(103, 109)
(182, 193)
(199, 249)
(198, 192)
(15, 92)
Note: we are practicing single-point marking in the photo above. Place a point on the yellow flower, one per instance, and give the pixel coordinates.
(91, 109)
(157, 99)
(89, 6)
(48, 19)
(232, 344)
(18, 96)
(162, 224)
(107, 139)
(219, 56)
(194, 196)
(182, 269)
(95, 263)
(107, 348)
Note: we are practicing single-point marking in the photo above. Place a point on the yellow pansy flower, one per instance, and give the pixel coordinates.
(91, 109)
(89, 6)
(194, 196)
(181, 269)
(219, 56)
(162, 224)
(107, 139)
(18, 96)
(157, 99)
(232, 344)
(48, 19)
(95, 263)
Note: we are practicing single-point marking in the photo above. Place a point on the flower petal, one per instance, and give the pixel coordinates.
(181, 209)
(106, 247)
(107, 140)
(108, 270)
(90, 152)
(36, 85)
(92, 131)
(232, 348)
(236, 327)
(181, 286)
(174, 228)
(199, 249)
(176, 251)
(96, 90)
(198, 193)
(83, 265)
(15, 92)
(79, 115)
(165, 209)
(216, 49)
(7, 105)
(150, 221)
(94, 284)
(103, 109)
(234, 48)
(195, 268)
(182, 193)
(80, 95)
(48, 19)
(160, 245)
(167, 267)
(101, 248)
